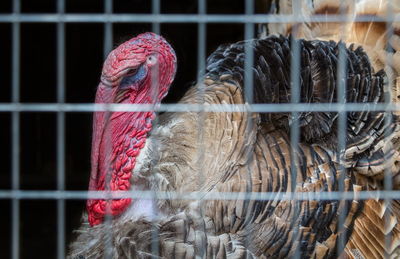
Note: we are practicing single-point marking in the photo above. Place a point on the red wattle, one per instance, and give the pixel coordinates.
(120, 178)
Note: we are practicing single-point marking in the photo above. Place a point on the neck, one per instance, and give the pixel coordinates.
(114, 159)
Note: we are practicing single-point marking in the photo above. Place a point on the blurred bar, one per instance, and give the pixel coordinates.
(15, 132)
(201, 67)
(178, 107)
(60, 132)
(249, 54)
(156, 28)
(155, 10)
(108, 28)
(388, 177)
(83, 195)
(295, 99)
(248, 83)
(108, 46)
(202, 40)
(178, 18)
(342, 127)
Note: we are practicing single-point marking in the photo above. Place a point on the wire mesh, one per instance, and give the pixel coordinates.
(156, 18)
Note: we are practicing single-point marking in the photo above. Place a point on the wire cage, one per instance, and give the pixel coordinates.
(56, 49)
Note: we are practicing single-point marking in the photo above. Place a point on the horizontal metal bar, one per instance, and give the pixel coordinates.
(79, 195)
(179, 107)
(181, 18)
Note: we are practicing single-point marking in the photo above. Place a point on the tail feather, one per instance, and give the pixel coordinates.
(323, 30)
(376, 232)
(331, 30)
(379, 37)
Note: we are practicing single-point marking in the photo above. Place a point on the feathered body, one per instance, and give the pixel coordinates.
(240, 152)
(376, 231)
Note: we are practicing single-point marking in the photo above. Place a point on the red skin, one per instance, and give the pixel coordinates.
(118, 137)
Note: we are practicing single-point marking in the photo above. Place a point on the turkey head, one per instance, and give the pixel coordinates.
(139, 71)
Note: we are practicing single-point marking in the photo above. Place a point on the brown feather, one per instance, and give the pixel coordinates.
(376, 220)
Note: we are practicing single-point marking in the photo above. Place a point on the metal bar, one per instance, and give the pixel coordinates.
(262, 196)
(156, 10)
(201, 66)
(61, 132)
(15, 132)
(249, 54)
(156, 28)
(177, 18)
(61, 184)
(295, 99)
(388, 180)
(342, 126)
(294, 126)
(202, 40)
(178, 107)
(248, 89)
(107, 47)
(108, 28)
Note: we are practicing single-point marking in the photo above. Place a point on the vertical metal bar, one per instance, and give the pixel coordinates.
(155, 9)
(108, 28)
(388, 178)
(155, 89)
(342, 125)
(249, 53)
(108, 41)
(15, 131)
(201, 38)
(248, 83)
(201, 65)
(294, 125)
(60, 131)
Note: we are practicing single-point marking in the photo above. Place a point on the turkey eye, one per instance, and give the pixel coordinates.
(131, 72)
(151, 60)
(132, 76)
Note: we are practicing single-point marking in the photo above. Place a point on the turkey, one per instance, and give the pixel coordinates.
(228, 154)
(378, 220)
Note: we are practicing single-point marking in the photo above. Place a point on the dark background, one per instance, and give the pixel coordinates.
(84, 58)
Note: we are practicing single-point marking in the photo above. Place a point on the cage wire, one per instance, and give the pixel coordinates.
(156, 18)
